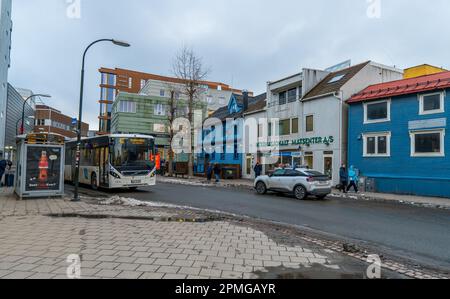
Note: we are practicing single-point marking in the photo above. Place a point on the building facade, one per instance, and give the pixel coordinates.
(422, 70)
(221, 139)
(116, 80)
(51, 120)
(5, 61)
(398, 136)
(325, 114)
(13, 117)
(285, 117)
(149, 115)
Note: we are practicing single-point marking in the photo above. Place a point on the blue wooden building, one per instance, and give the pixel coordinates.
(398, 136)
(226, 152)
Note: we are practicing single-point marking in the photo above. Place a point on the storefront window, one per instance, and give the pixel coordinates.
(309, 160)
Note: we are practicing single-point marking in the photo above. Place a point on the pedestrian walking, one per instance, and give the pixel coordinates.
(343, 178)
(217, 172)
(209, 172)
(353, 177)
(258, 170)
(3, 165)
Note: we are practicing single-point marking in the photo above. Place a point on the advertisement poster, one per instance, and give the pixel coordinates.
(43, 169)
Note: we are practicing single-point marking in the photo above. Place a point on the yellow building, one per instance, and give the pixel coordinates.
(422, 70)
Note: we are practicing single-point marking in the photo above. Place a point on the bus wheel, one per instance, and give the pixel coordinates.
(94, 181)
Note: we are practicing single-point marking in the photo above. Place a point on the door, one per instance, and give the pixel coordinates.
(248, 172)
(275, 180)
(328, 166)
(104, 166)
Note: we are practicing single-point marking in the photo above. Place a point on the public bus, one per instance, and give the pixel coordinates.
(113, 161)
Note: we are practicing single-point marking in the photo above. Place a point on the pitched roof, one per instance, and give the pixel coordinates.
(334, 81)
(254, 104)
(403, 87)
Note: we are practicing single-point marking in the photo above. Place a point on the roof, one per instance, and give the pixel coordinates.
(326, 86)
(403, 87)
(254, 104)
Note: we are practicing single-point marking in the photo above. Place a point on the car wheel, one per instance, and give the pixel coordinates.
(261, 188)
(300, 192)
(94, 181)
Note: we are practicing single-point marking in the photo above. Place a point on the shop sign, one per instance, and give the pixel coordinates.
(302, 141)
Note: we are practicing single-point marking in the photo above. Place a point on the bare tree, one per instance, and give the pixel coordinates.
(189, 68)
(173, 111)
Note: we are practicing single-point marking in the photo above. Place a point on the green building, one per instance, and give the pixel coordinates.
(149, 115)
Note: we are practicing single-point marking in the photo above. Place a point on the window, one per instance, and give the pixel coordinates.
(282, 98)
(162, 93)
(279, 173)
(336, 79)
(160, 109)
(377, 112)
(310, 123)
(130, 82)
(143, 82)
(127, 107)
(159, 128)
(377, 145)
(285, 127)
(292, 95)
(428, 144)
(209, 99)
(294, 125)
(431, 103)
(260, 130)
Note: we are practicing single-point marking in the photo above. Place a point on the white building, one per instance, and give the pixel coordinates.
(215, 95)
(5, 47)
(283, 103)
(257, 113)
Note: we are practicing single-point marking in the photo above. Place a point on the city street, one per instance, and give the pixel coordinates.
(420, 234)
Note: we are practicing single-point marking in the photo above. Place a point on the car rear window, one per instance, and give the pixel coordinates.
(314, 173)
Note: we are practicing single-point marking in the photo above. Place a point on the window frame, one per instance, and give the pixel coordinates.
(377, 135)
(387, 119)
(413, 134)
(306, 124)
(288, 122)
(436, 111)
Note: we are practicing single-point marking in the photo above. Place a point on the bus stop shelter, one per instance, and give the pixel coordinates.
(40, 165)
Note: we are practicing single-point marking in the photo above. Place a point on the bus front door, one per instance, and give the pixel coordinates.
(104, 167)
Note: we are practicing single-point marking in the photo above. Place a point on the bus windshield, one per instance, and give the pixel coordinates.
(132, 155)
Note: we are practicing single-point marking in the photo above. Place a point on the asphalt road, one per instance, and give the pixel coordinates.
(419, 234)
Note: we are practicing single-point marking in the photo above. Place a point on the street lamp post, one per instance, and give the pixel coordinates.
(17, 123)
(80, 113)
(22, 128)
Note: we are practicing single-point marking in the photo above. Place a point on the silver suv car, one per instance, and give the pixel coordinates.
(300, 182)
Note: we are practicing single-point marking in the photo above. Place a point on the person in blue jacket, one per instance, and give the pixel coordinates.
(209, 172)
(353, 177)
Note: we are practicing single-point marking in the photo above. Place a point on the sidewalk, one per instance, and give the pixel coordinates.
(124, 238)
(429, 202)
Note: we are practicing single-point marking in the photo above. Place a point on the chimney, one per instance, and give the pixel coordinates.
(245, 94)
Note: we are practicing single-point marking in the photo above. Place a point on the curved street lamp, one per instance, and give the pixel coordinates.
(80, 113)
(22, 127)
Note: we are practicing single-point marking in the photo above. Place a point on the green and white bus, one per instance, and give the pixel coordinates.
(113, 161)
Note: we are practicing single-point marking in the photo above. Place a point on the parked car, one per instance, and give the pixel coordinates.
(299, 182)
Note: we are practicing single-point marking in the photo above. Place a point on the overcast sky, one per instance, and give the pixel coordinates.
(245, 42)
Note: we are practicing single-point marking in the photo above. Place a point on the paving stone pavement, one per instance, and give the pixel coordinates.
(125, 244)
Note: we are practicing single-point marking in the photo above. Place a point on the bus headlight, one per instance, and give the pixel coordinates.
(114, 175)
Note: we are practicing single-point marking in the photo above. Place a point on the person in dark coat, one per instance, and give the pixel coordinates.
(217, 172)
(258, 170)
(209, 172)
(343, 178)
(3, 165)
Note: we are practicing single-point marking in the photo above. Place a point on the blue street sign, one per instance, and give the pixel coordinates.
(74, 121)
